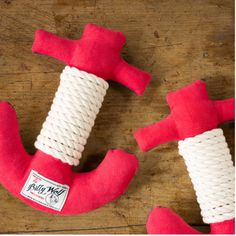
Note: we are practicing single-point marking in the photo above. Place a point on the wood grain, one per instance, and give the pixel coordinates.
(176, 41)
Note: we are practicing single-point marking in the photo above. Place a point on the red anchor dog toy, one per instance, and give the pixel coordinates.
(193, 121)
(46, 180)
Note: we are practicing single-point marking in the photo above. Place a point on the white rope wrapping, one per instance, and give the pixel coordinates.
(211, 170)
(71, 118)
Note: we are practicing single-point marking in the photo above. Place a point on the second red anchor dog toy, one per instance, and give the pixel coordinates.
(193, 120)
(46, 180)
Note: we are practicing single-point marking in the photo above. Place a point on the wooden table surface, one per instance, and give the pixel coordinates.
(178, 42)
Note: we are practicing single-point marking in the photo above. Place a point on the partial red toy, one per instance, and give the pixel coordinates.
(97, 52)
(193, 120)
(46, 180)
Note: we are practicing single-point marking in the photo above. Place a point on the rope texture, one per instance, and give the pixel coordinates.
(211, 170)
(72, 115)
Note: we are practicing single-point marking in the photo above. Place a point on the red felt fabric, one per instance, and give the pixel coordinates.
(165, 221)
(88, 191)
(98, 52)
(192, 113)
(225, 227)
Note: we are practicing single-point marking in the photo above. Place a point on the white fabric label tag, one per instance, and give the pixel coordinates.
(45, 191)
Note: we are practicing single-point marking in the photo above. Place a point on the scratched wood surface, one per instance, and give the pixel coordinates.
(176, 41)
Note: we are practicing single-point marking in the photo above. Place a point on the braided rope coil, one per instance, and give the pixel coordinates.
(211, 170)
(75, 106)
